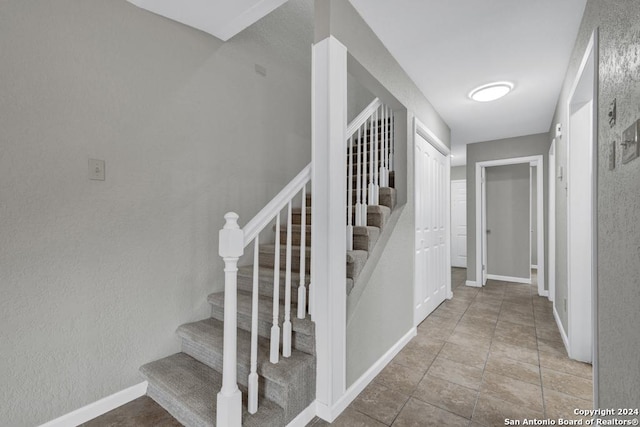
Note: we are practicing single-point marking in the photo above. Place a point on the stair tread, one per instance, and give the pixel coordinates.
(265, 311)
(193, 386)
(270, 248)
(208, 334)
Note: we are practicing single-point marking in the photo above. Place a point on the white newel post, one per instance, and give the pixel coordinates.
(231, 247)
(328, 228)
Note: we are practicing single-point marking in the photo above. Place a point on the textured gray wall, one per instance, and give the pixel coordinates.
(385, 312)
(358, 97)
(96, 276)
(508, 219)
(458, 172)
(618, 260)
(522, 146)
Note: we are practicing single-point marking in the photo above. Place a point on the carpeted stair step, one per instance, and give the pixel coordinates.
(376, 215)
(187, 389)
(388, 197)
(296, 233)
(290, 383)
(303, 329)
(355, 263)
(265, 282)
(365, 238)
(267, 256)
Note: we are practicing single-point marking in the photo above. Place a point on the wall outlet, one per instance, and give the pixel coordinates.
(96, 169)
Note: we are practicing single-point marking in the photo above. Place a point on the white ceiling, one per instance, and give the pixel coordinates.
(220, 18)
(449, 47)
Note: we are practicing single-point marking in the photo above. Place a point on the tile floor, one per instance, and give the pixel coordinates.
(486, 355)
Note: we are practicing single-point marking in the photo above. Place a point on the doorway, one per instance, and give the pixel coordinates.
(459, 223)
(481, 217)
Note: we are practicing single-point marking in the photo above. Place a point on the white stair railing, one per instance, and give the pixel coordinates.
(370, 133)
(232, 241)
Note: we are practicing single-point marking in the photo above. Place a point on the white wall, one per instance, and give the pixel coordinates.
(95, 277)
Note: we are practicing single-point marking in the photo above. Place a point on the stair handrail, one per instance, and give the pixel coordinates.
(266, 214)
(232, 242)
(363, 117)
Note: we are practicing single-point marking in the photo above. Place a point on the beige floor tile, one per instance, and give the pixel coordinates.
(479, 328)
(513, 317)
(467, 340)
(581, 388)
(447, 395)
(428, 343)
(414, 356)
(521, 354)
(526, 341)
(513, 369)
(455, 372)
(481, 314)
(470, 356)
(420, 414)
(504, 326)
(448, 313)
(559, 405)
(566, 365)
(549, 333)
(515, 391)
(400, 378)
(492, 412)
(380, 402)
(552, 346)
(351, 418)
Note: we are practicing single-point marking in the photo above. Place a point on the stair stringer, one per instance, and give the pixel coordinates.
(363, 278)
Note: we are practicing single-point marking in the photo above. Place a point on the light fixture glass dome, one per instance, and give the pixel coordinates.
(491, 91)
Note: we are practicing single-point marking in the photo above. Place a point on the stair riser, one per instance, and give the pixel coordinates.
(374, 219)
(267, 259)
(296, 236)
(300, 341)
(265, 287)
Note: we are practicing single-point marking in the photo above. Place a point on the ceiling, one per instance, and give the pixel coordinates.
(220, 18)
(449, 47)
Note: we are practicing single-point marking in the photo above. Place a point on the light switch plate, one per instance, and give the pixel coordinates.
(630, 147)
(96, 169)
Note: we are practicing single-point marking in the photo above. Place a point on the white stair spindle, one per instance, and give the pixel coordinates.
(371, 166)
(385, 153)
(229, 399)
(376, 152)
(302, 290)
(253, 375)
(286, 326)
(350, 197)
(274, 354)
(358, 180)
(364, 174)
(393, 139)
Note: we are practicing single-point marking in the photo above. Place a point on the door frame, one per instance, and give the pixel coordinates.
(537, 161)
(552, 221)
(419, 129)
(584, 91)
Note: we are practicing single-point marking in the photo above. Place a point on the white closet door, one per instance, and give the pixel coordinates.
(432, 209)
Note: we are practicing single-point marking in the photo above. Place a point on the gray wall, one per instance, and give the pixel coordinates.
(534, 216)
(458, 172)
(358, 97)
(96, 276)
(508, 220)
(618, 261)
(521, 146)
(385, 312)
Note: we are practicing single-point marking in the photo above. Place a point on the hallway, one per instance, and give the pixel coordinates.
(486, 355)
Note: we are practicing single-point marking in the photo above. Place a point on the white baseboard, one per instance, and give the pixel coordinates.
(565, 338)
(509, 279)
(544, 293)
(472, 283)
(305, 416)
(329, 414)
(102, 406)
(534, 267)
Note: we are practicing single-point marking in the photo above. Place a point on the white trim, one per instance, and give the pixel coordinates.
(431, 137)
(97, 408)
(552, 221)
(563, 334)
(538, 161)
(305, 416)
(362, 117)
(534, 267)
(473, 284)
(545, 293)
(579, 345)
(330, 414)
(526, 281)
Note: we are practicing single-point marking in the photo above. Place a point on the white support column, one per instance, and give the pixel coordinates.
(328, 246)
(231, 247)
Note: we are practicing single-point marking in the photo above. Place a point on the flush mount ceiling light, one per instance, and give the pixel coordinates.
(491, 91)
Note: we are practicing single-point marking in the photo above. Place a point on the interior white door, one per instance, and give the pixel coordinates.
(432, 210)
(483, 209)
(459, 223)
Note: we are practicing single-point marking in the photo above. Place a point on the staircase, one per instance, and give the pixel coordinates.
(186, 383)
